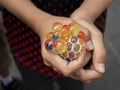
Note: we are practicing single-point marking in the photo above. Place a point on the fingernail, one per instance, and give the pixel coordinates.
(89, 45)
(101, 68)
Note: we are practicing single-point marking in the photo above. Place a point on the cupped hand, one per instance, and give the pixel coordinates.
(53, 59)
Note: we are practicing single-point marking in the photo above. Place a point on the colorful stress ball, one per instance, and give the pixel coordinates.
(66, 40)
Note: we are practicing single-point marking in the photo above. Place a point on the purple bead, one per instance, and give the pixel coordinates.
(48, 45)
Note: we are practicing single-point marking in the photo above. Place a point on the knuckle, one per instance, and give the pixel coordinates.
(66, 73)
(87, 35)
(83, 78)
(98, 76)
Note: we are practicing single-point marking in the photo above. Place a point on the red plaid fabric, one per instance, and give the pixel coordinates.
(25, 44)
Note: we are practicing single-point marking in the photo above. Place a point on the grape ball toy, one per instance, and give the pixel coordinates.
(66, 40)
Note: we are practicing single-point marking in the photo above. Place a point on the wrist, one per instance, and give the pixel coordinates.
(38, 21)
(82, 15)
(90, 10)
(41, 23)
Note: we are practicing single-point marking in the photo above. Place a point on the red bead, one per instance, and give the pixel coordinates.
(65, 27)
(55, 43)
(56, 24)
(81, 35)
(71, 55)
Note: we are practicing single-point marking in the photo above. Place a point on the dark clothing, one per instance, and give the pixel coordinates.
(4, 51)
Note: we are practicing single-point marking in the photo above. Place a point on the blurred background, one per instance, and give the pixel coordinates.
(111, 78)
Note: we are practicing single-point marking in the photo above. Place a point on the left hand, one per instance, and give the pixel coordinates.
(97, 67)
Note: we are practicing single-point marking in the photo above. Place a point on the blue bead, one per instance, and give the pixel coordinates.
(55, 37)
(49, 46)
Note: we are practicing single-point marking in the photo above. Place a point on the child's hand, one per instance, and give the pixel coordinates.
(54, 60)
(97, 67)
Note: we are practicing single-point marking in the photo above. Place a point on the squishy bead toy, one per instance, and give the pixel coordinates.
(66, 40)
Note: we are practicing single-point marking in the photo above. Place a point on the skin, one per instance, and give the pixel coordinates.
(38, 19)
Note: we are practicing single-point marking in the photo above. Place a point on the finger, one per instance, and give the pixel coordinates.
(54, 68)
(75, 75)
(56, 61)
(99, 54)
(88, 75)
(79, 63)
(46, 62)
(88, 56)
(77, 78)
(89, 45)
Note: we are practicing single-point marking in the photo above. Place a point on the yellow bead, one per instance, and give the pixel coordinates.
(70, 32)
(59, 34)
(61, 48)
(74, 26)
(66, 37)
(75, 33)
(64, 54)
(57, 26)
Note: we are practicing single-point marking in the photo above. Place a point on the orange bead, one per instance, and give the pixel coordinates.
(64, 54)
(49, 35)
(65, 37)
(81, 42)
(82, 49)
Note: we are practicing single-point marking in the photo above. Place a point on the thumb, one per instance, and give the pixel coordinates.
(99, 54)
